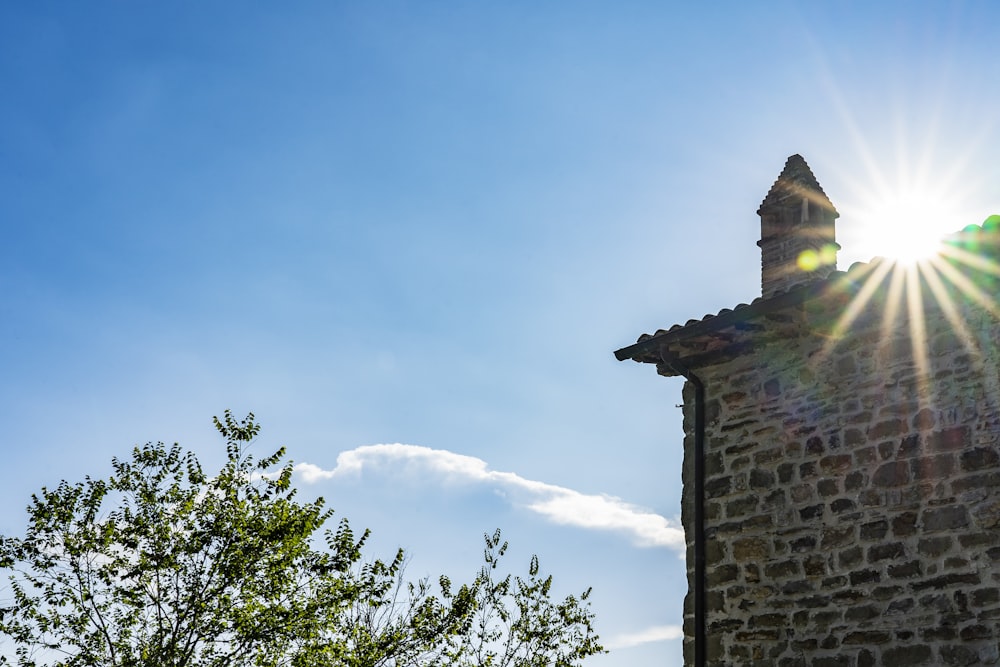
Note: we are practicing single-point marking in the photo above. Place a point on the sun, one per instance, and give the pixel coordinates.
(907, 224)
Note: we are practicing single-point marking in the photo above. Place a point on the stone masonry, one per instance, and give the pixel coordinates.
(852, 466)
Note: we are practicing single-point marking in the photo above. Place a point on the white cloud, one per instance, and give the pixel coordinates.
(556, 503)
(658, 633)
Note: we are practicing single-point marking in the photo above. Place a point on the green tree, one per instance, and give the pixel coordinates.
(162, 564)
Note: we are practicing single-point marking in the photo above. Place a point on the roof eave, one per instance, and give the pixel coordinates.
(646, 350)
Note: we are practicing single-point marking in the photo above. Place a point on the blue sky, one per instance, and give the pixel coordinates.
(428, 225)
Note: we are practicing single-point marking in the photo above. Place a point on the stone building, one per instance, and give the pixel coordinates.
(842, 452)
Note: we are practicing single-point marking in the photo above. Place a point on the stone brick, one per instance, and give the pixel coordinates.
(947, 580)
(782, 569)
(774, 499)
(900, 606)
(725, 625)
(987, 514)
(861, 613)
(934, 546)
(870, 498)
(828, 487)
(837, 536)
(924, 419)
(886, 592)
(886, 450)
(721, 574)
(981, 482)
(837, 463)
(849, 596)
(741, 506)
(938, 602)
(949, 517)
(909, 446)
(757, 523)
(761, 479)
(802, 493)
(905, 570)
(802, 544)
(823, 619)
(837, 661)
(978, 631)
(814, 601)
(905, 524)
(958, 655)
(747, 640)
(715, 551)
(865, 577)
(841, 505)
(785, 472)
(904, 656)
(867, 637)
(985, 597)
(814, 566)
(854, 437)
(714, 464)
(874, 530)
(887, 429)
(854, 481)
(939, 633)
(951, 439)
(955, 563)
(717, 487)
(979, 458)
(754, 549)
(881, 552)
(850, 557)
(797, 587)
(768, 455)
(933, 467)
(866, 456)
(738, 463)
(811, 512)
(895, 473)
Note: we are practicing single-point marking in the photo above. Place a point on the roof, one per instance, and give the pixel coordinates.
(714, 338)
(794, 182)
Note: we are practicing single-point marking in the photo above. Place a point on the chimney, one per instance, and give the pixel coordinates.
(797, 237)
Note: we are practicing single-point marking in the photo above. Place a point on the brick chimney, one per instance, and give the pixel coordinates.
(797, 237)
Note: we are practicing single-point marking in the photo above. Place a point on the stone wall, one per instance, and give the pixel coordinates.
(853, 489)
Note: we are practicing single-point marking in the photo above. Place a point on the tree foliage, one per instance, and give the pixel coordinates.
(161, 564)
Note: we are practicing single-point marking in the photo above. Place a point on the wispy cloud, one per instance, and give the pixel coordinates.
(556, 503)
(657, 633)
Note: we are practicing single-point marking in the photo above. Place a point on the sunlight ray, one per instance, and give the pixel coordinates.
(970, 259)
(917, 325)
(893, 301)
(948, 306)
(871, 279)
(969, 288)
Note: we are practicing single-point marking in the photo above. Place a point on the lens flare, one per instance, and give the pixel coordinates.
(907, 226)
